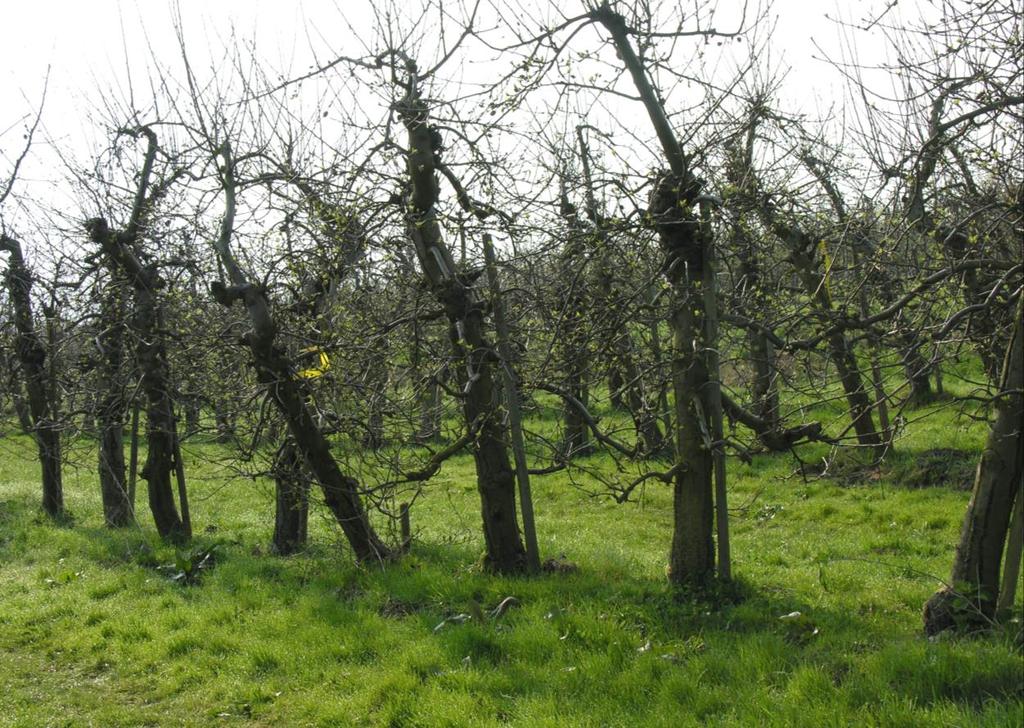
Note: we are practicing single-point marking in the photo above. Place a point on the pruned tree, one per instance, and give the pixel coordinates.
(112, 407)
(42, 408)
(971, 598)
(43, 415)
(124, 259)
(505, 552)
(672, 210)
(278, 374)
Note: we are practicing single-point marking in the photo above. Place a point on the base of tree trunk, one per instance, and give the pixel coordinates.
(292, 503)
(951, 610)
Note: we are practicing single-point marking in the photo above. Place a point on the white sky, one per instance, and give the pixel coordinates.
(88, 45)
(85, 43)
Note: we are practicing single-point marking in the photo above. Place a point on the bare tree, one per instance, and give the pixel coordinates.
(43, 414)
(465, 312)
(973, 593)
(278, 374)
(123, 257)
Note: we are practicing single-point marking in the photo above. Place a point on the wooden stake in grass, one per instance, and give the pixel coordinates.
(404, 524)
(1014, 552)
(714, 397)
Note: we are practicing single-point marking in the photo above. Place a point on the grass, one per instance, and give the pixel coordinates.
(94, 632)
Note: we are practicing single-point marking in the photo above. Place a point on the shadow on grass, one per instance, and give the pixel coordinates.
(934, 468)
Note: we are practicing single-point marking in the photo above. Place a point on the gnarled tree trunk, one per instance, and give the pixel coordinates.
(291, 513)
(121, 254)
(278, 374)
(972, 596)
(32, 356)
(482, 402)
(154, 369)
(113, 406)
(692, 557)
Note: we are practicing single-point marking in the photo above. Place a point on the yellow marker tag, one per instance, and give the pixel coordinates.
(323, 364)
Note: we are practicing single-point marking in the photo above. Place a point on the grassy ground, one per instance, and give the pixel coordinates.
(94, 632)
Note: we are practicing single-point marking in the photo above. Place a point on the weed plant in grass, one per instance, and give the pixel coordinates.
(94, 631)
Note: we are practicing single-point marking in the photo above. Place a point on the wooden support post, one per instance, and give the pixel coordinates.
(133, 455)
(404, 524)
(714, 395)
(1014, 553)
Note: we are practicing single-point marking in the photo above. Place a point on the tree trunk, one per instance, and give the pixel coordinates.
(512, 401)
(671, 208)
(658, 355)
(179, 476)
(752, 299)
(874, 352)
(291, 501)
(645, 419)
(151, 355)
(803, 255)
(505, 552)
(341, 492)
(712, 394)
(32, 355)
(813, 271)
(857, 398)
(975, 580)
(571, 343)
(21, 408)
(917, 370)
(982, 327)
(430, 411)
(576, 438)
(117, 509)
(160, 422)
(482, 404)
(225, 422)
(615, 382)
(428, 389)
(91, 405)
(762, 352)
(374, 386)
(133, 454)
(277, 373)
(1014, 553)
(692, 556)
(193, 413)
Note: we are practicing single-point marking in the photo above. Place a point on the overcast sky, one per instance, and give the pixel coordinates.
(88, 48)
(87, 45)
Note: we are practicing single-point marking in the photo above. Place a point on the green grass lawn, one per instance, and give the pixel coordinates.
(92, 632)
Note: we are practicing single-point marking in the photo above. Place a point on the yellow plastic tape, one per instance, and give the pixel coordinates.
(323, 365)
